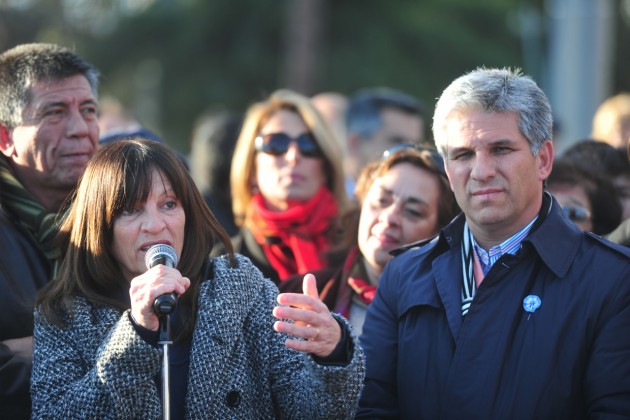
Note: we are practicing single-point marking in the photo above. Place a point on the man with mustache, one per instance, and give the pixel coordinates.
(48, 132)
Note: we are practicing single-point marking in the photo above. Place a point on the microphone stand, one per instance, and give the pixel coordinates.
(164, 306)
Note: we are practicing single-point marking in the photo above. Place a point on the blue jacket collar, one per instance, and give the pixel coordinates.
(554, 238)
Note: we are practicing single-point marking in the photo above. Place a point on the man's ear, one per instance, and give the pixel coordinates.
(6, 141)
(545, 160)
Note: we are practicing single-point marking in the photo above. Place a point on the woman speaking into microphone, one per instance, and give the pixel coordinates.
(239, 349)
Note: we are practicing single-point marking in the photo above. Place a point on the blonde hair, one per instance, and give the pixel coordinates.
(608, 118)
(243, 160)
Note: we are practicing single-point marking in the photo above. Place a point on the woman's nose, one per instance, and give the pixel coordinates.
(293, 152)
(152, 222)
(391, 214)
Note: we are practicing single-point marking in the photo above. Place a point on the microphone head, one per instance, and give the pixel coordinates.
(160, 254)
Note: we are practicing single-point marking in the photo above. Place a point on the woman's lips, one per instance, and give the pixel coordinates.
(386, 241)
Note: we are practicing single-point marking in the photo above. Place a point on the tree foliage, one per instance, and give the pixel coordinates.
(176, 59)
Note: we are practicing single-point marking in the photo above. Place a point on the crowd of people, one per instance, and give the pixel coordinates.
(331, 258)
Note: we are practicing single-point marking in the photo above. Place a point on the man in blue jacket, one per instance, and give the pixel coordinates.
(511, 312)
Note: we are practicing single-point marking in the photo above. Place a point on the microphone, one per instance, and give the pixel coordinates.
(165, 255)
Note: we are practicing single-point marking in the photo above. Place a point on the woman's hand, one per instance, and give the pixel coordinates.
(147, 287)
(311, 318)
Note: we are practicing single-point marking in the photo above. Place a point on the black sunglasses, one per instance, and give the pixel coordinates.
(277, 144)
(577, 214)
(433, 154)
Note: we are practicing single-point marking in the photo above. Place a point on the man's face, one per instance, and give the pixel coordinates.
(496, 179)
(58, 135)
(398, 127)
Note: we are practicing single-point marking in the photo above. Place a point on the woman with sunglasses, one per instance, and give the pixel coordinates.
(405, 198)
(287, 186)
(588, 199)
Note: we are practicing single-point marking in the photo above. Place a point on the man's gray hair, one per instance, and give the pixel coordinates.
(496, 90)
(23, 66)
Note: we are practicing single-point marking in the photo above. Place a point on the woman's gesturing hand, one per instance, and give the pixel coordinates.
(311, 318)
(148, 286)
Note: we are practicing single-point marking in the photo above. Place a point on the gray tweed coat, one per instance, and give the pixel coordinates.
(98, 367)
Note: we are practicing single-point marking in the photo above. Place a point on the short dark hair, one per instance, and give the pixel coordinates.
(363, 115)
(26, 64)
(596, 156)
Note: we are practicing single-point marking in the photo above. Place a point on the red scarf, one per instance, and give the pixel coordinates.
(354, 272)
(293, 240)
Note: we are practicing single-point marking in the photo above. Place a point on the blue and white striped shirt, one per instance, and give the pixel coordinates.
(509, 246)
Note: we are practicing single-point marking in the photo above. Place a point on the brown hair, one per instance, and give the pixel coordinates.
(117, 178)
(424, 158)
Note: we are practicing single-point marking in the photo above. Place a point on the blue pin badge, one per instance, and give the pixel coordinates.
(531, 303)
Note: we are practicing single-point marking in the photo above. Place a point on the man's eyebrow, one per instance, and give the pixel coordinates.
(89, 102)
(453, 150)
(501, 142)
(491, 143)
(54, 104)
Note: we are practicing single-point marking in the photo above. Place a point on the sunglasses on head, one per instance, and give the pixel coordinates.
(433, 154)
(577, 214)
(277, 144)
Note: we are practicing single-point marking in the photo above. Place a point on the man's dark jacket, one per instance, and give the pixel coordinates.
(570, 359)
(23, 271)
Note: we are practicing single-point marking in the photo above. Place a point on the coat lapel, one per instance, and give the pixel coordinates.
(447, 273)
(434, 281)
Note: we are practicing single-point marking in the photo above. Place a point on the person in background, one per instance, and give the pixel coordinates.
(48, 132)
(611, 122)
(602, 159)
(287, 185)
(590, 200)
(512, 311)
(333, 107)
(117, 123)
(621, 235)
(404, 198)
(377, 119)
(239, 350)
(211, 149)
